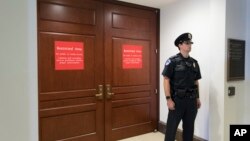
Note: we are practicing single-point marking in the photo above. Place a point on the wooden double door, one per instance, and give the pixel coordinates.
(97, 70)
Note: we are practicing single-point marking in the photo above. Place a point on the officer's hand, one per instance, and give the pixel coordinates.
(171, 104)
(198, 103)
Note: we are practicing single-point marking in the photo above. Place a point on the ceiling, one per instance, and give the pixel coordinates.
(150, 3)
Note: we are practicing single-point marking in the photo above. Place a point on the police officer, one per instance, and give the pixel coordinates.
(181, 74)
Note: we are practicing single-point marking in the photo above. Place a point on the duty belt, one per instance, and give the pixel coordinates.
(186, 93)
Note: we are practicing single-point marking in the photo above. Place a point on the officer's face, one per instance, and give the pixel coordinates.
(186, 46)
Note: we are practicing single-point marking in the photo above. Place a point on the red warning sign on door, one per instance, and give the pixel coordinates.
(132, 57)
(69, 55)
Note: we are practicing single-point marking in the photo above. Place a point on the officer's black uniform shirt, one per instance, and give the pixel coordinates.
(182, 72)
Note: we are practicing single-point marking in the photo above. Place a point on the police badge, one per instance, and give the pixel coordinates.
(189, 36)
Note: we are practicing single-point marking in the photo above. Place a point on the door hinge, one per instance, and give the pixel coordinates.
(156, 51)
(156, 91)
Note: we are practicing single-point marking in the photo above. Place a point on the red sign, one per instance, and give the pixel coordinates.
(132, 57)
(69, 55)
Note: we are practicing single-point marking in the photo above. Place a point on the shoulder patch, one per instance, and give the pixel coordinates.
(168, 62)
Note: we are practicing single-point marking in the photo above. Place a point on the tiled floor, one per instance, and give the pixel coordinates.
(154, 136)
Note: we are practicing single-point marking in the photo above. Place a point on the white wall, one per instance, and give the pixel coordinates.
(206, 21)
(217, 70)
(247, 69)
(18, 74)
(236, 24)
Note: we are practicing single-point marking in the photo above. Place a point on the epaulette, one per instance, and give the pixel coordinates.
(175, 58)
(193, 59)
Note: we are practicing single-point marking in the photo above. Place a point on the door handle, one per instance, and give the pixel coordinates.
(99, 95)
(109, 93)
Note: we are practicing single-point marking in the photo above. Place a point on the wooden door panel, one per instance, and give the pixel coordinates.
(66, 102)
(45, 96)
(68, 107)
(131, 109)
(130, 131)
(60, 127)
(66, 13)
(130, 22)
(74, 16)
(138, 113)
(54, 108)
(128, 95)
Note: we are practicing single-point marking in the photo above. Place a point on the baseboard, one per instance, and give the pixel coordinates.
(162, 129)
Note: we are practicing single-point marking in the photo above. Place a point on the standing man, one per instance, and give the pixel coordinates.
(181, 74)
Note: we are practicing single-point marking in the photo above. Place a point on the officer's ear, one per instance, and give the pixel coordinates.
(179, 46)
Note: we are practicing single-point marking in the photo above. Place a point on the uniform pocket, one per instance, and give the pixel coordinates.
(180, 71)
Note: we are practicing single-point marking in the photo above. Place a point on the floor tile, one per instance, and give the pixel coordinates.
(154, 136)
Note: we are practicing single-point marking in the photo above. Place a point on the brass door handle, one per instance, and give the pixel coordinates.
(109, 94)
(99, 95)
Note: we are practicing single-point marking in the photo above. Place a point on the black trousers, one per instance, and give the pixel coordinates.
(185, 110)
